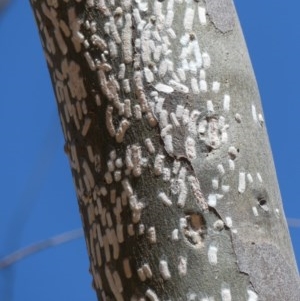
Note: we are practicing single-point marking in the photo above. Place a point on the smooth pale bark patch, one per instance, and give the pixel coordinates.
(254, 259)
(221, 13)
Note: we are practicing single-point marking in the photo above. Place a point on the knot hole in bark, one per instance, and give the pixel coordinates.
(263, 203)
(195, 230)
(262, 199)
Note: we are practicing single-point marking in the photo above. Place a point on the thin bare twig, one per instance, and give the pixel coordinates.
(293, 222)
(66, 237)
(39, 246)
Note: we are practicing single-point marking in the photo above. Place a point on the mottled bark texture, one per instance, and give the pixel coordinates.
(170, 157)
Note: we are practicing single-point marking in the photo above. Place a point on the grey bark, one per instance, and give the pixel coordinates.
(168, 148)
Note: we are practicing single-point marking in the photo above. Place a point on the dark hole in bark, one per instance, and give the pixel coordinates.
(192, 36)
(262, 198)
(262, 202)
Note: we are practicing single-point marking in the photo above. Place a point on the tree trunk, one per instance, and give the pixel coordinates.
(168, 148)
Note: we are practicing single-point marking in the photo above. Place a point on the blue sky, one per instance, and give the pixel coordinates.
(37, 194)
